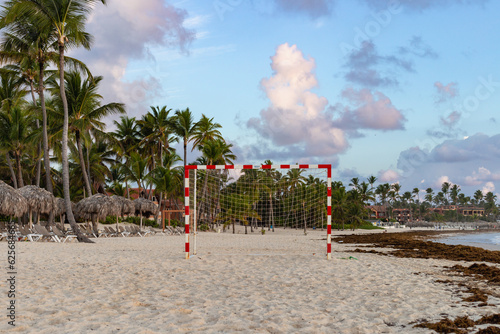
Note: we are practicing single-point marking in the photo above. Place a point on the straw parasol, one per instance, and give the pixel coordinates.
(60, 209)
(96, 206)
(146, 207)
(125, 206)
(39, 200)
(11, 202)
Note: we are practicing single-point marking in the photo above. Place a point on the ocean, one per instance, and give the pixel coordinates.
(490, 241)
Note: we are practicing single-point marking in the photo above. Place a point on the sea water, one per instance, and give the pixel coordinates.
(490, 241)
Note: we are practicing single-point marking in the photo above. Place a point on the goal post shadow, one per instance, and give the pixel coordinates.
(192, 169)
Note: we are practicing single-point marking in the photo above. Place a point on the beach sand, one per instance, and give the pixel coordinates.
(279, 282)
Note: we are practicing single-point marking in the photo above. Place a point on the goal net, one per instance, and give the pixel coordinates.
(263, 197)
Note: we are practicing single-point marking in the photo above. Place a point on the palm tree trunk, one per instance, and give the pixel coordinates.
(12, 173)
(88, 164)
(185, 152)
(128, 191)
(38, 147)
(82, 163)
(19, 171)
(65, 164)
(46, 157)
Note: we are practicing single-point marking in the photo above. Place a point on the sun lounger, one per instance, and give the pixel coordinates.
(123, 232)
(110, 232)
(87, 229)
(26, 234)
(61, 235)
(133, 230)
(45, 234)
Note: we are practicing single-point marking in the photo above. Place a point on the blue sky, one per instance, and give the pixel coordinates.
(404, 90)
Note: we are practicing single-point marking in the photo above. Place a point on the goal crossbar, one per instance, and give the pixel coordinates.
(188, 168)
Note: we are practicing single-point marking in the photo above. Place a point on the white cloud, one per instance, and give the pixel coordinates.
(388, 175)
(481, 176)
(296, 115)
(442, 179)
(368, 110)
(488, 187)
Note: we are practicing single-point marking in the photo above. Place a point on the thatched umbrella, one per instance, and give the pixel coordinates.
(97, 206)
(146, 207)
(39, 200)
(60, 210)
(11, 202)
(125, 206)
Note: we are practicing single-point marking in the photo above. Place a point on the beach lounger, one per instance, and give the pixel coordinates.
(149, 231)
(138, 230)
(133, 230)
(123, 232)
(110, 232)
(87, 229)
(62, 236)
(45, 234)
(26, 234)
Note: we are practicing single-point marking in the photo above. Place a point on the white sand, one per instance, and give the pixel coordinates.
(274, 283)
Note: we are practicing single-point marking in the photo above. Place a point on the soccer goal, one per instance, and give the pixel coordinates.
(257, 197)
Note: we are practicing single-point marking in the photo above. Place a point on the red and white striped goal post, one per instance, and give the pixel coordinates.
(328, 168)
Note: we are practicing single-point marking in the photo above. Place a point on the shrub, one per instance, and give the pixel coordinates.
(203, 227)
(111, 220)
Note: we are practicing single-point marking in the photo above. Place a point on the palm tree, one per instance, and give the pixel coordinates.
(429, 197)
(27, 41)
(490, 207)
(371, 180)
(478, 197)
(339, 204)
(184, 127)
(166, 181)
(445, 187)
(205, 131)
(126, 138)
(12, 99)
(137, 169)
(354, 183)
(85, 111)
(156, 127)
(15, 137)
(416, 192)
(66, 19)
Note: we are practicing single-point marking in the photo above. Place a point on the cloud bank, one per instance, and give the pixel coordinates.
(472, 162)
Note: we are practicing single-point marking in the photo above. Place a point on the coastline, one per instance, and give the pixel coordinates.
(279, 282)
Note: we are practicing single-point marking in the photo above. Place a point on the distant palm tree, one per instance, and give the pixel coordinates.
(125, 139)
(416, 192)
(445, 187)
(339, 204)
(156, 129)
(184, 127)
(354, 183)
(478, 197)
(429, 197)
(206, 130)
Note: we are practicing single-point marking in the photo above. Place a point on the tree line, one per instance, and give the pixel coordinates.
(55, 117)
